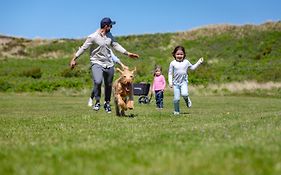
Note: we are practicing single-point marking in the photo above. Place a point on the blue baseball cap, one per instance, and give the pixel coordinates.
(106, 21)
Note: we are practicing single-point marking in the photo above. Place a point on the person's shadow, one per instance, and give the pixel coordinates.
(185, 113)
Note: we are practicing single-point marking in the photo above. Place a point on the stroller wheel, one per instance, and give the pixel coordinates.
(144, 100)
(141, 99)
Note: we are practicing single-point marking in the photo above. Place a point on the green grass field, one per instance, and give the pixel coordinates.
(56, 134)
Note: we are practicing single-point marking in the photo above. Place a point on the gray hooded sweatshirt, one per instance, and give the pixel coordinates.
(100, 52)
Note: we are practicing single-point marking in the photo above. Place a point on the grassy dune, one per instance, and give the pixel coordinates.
(232, 54)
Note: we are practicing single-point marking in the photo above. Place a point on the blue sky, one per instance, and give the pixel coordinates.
(78, 18)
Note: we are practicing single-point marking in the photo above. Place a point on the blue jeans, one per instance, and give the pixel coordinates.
(159, 95)
(180, 90)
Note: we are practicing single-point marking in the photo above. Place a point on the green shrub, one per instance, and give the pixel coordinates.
(67, 73)
(5, 85)
(35, 73)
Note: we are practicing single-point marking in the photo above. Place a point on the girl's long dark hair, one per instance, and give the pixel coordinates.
(178, 48)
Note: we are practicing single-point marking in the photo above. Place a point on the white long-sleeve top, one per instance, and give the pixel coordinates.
(178, 71)
(100, 52)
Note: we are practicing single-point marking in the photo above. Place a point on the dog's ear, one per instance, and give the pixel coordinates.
(133, 71)
(119, 70)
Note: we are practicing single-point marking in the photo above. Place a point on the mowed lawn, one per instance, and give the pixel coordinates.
(56, 134)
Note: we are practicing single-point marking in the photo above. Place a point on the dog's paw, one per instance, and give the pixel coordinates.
(130, 104)
(122, 105)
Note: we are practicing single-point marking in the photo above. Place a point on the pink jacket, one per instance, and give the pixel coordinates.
(159, 83)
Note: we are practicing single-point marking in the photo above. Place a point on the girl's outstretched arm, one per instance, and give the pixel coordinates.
(200, 61)
(117, 60)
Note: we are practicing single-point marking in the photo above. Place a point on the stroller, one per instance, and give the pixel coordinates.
(142, 90)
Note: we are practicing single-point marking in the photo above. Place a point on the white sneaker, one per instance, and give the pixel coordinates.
(189, 104)
(107, 107)
(90, 102)
(176, 113)
(96, 107)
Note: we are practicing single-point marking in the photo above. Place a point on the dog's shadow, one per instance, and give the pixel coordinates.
(128, 115)
(185, 113)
